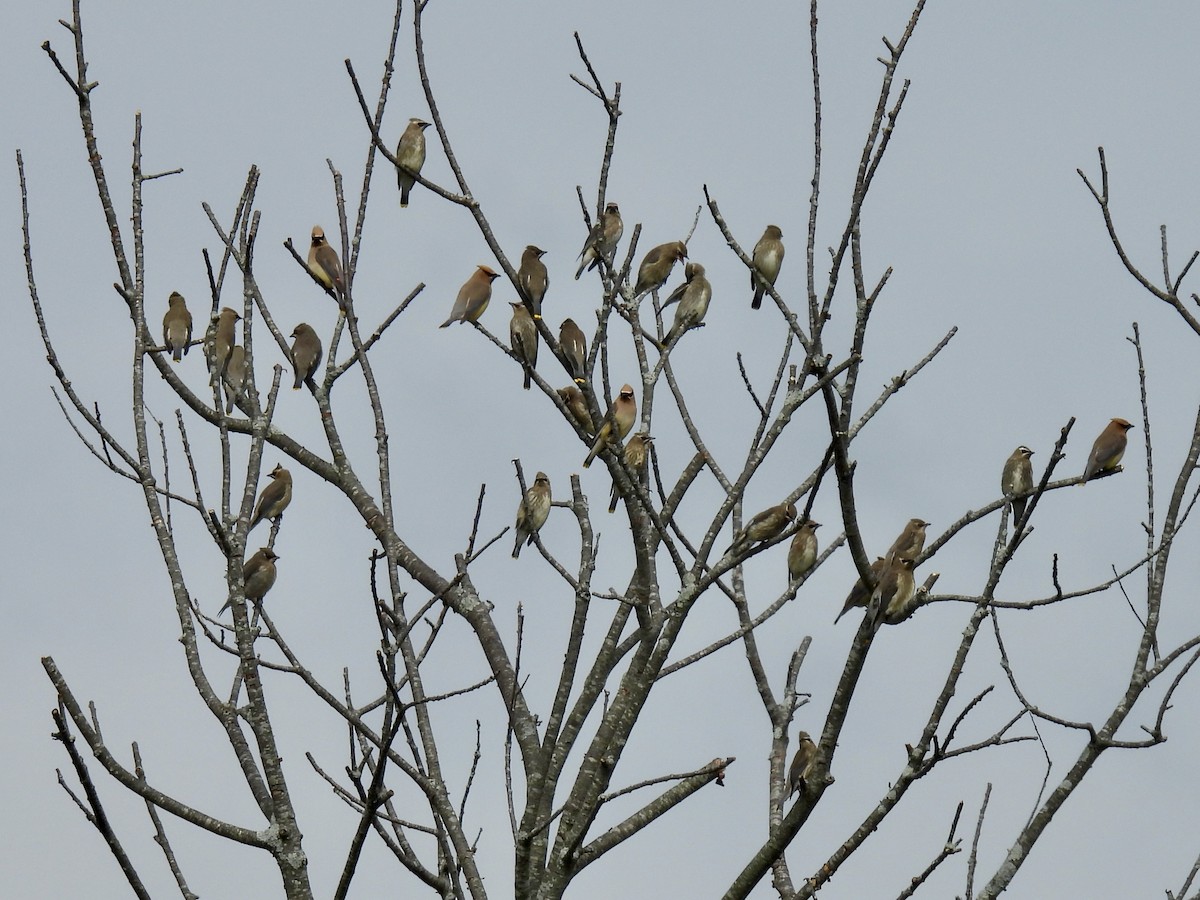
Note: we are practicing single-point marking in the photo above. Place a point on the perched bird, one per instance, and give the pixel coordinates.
(274, 498)
(177, 326)
(410, 153)
(1108, 449)
(911, 541)
(532, 512)
(235, 377)
(802, 763)
(222, 342)
(693, 296)
(617, 422)
(258, 576)
(574, 348)
(523, 336)
(891, 602)
(1016, 479)
(533, 278)
(768, 257)
(859, 595)
(803, 550)
(473, 296)
(768, 524)
(601, 240)
(576, 405)
(306, 355)
(657, 265)
(323, 262)
(636, 453)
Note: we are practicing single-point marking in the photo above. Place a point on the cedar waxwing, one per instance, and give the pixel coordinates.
(274, 498)
(1017, 478)
(323, 262)
(533, 278)
(410, 153)
(891, 602)
(224, 337)
(177, 326)
(473, 296)
(577, 406)
(602, 240)
(532, 512)
(617, 422)
(657, 265)
(768, 257)
(235, 377)
(258, 575)
(636, 454)
(859, 595)
(768, 524)
(1108, 449)
(574, 348)
(802, 553)
(523, 336)
(306, 355)
(802, 763)
(911, 541)
(693, 296)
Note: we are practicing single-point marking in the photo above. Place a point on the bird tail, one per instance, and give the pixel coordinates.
(593, 453)
(450, 321)
(517, 548)
(612, 501)
(404, 189)
(528, 377)
(756, 303)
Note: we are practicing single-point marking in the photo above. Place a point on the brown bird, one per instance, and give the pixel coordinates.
(523, 336)
(657, 265)
(911, 541)
(1017, 479)
(410, 153)
(576, 405)
(602, 240)
(177, 326)
(802, 764)
(891, 602)
(1108, 449)
(768, 257)
(636, 453)
(235, 377)
(323, 262)
(533, 278)
(767, 525)
(532, 512)
(306, 355)
(859, 595)
(802, 553)
(274, 498)
(258, 576)
(574, 349)
(223, 339)
(693, 297)
(473, 296)
(617, 422)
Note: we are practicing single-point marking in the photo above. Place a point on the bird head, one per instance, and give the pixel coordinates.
(318, 235)
(489, 273)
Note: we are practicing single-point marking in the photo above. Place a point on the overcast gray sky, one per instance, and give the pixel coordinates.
(978, 209)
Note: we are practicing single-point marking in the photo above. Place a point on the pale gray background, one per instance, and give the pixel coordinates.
(977, 207)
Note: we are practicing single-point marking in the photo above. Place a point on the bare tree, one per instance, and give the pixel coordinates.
(567, 801)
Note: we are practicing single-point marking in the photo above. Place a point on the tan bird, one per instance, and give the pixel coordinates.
(224, 336)
(768, 257)
(1017, 479)
(636, 457)
(892, 601)
(324, 263)
(602, 240)
(274, 498)
(802, 764)
(177, 326)
(532, 512)
(617, 422)
(766, 526)
(258, 576)
(657, 265)
(911, 541)
(523, 337)
(533, 278)
(235, 377)
(306, 355)
(410, 153)
(802, 553)
(693, 297)
(1108, 449)
(859, 595)
(473, 297)
(574, 349)
(576, 405)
